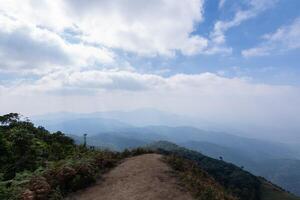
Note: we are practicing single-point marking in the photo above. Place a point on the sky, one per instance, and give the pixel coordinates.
(234, 62)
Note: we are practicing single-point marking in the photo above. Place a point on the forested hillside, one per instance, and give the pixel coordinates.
(36, 164)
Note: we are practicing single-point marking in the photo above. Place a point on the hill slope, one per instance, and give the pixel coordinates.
(284, 172)
(270, 191)
(240, 182)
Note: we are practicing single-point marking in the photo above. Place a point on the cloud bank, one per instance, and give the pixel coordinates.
(235, 102)
(159, 27)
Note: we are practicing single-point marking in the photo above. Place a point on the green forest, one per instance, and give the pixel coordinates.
(36, 164)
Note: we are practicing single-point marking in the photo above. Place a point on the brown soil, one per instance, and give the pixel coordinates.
(143, 177)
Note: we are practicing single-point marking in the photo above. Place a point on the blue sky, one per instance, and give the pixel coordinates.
(277, 68)
(234, 62)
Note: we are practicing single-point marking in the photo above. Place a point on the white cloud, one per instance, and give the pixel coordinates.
(145, 27)
(284, 39)
(120, 80)
(25, 46)
(221, 3)
(258, 51)
(98, 80)
(218, 38)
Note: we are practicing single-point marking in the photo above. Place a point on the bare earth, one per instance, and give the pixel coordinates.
(143, 177)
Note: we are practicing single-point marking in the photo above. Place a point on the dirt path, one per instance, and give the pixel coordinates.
(143, 177)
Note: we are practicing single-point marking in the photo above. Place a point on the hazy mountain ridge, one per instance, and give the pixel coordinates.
(140, 117)
(148, 117)
(79, 126)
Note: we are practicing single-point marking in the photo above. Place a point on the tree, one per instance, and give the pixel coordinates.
(9, 118)
(21, 140)
(61, 138)
(4, 153)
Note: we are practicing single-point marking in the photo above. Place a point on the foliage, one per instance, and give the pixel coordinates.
(25, 147)
(39, 164)
(9, 118)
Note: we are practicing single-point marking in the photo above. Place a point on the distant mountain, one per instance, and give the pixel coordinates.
(138, 117)
(232, 155)
(110, 141)
(91, 126)
(188, 136)
(262, 150)
(125, 124)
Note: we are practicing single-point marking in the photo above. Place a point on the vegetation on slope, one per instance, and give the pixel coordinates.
(269, 191)
(199, 182)
(283, 172)
(36, 164)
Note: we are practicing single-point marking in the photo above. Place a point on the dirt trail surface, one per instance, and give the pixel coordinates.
(143, 177)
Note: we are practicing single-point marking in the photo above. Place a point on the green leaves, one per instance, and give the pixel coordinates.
(9, 118)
